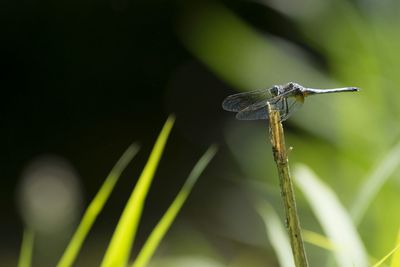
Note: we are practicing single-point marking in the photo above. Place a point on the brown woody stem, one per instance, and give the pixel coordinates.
(285, 181)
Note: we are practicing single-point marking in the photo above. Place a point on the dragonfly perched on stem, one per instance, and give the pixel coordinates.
(285, 98)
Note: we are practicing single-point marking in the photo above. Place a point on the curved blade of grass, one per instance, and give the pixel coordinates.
(333, 218)
(379, 263)
(117, 253)
(318, 240)
(164, 224)
(25, 256)
(396, 257)
(95, 207)
(276, 234)
(374, 182)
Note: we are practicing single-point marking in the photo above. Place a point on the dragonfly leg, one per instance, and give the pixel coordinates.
(286, 107)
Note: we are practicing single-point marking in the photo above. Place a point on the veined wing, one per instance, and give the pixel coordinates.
(256, 111)
(291, 105)
(286, 106)
(239, 102)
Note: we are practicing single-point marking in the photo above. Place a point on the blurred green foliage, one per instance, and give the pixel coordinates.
(344, 138)
(348, 142)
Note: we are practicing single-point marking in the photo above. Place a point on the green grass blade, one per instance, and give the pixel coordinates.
(333, 218)
(379, 263)
(318, 240)
(164, 224)
(95, 207)
(25, 256)
(117, 253)
(276, 233)
(374, 182)
(396, 257)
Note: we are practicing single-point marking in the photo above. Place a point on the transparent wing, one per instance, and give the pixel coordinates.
(239, 102)
(286, 106)
(256, 111)
(291, 105)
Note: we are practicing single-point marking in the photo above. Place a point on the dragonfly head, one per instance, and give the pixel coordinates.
(276, 90)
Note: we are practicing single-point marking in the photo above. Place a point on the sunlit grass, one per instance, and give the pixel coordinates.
(118, 251)
(25, 256)
(386, 257)
(396, 255)
(164, 224)
(95, 208)
(318, 240)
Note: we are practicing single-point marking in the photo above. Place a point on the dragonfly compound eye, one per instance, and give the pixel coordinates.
(275, 90)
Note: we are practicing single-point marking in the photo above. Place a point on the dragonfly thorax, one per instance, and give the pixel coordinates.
(292, 87)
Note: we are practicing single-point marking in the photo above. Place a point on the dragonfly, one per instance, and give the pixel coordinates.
(286, 99)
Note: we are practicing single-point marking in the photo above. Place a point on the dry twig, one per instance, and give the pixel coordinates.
(289, 202)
